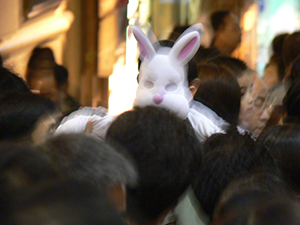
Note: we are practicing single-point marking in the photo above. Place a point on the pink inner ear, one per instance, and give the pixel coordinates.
(187, 49)
(142, 47)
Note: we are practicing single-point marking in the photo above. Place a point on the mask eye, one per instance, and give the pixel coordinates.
(148, 84)
(171, 87)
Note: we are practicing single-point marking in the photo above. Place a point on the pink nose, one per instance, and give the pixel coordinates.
(157, 99)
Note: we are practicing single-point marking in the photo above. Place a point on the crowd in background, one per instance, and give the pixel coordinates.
(62, 163)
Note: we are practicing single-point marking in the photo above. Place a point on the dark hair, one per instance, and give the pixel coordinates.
(217, 19)
(291, 102)
(61, 75)
(10, 82)
(21, 167)
(220, 91)
(282, 141)
(246, 193)
(294, 70)
(84, 158)
(291, 48)
(206, 54)
(235, 65)
(69, 202)
(227, 157)
(277, 43)
(19, 114)
(166, 153)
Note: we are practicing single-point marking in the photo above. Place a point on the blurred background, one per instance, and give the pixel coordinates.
(88, 37)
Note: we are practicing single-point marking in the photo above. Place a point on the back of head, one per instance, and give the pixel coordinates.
(277, 43)
(167, 155)
(246, 193)
(64, 203)
(294, 70)
(291, 48)
(220, 91)
(61, 75)
(84, 158)
(217, 18)
(40, 54)
(22, 168)
(10, 82)
(235, 65)
(291, 102)
(227, 157)
(283, 144)
(19, 114)
(276, 212)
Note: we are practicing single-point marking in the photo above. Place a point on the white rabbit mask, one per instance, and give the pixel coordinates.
(163, 74)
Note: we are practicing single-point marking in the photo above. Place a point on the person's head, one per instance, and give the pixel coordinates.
(274, 71)
(27, 117)
(291, 48)
(167, 155)
(257, 120)
(227, 31)
(22, 168)
(291, 102)
(61, 203)
(220, 91)
(163, 73)
(277, 43)
(10, 82)
(244, 195)
(227, 157)
(283, 144)
(294, 70)
(242, 73)
(86, 159)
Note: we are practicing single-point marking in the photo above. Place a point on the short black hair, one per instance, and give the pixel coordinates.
(68, 202)
(10, 82)
(220, 91)
(217, 18)
(20, 112)
(84, 158)
(283, 143)
(291, 102)
(227, 156)
(166, 153)
(61, 75)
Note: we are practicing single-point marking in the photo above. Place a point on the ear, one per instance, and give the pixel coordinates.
(185, 48)
(194, 86)
(145, 45)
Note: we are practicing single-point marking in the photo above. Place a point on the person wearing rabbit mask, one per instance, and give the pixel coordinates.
(163, 79)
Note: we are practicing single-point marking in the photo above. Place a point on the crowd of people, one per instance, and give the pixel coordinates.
(231, 159)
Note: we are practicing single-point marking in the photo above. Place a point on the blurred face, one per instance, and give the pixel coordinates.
(260, 95)
(231, 33)
(246, 108)
(42, 79)
(271, 76)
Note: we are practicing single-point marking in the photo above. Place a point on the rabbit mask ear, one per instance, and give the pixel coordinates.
(185, 47)
(145, 45)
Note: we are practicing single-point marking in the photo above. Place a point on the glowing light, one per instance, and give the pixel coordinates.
(250, 18)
